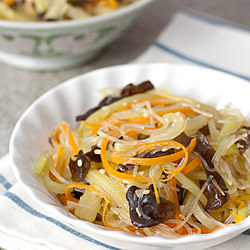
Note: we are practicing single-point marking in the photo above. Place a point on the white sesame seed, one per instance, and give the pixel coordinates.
(102, 171)
(79, 163)
(97, 151)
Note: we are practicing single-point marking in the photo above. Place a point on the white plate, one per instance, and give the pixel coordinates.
(65, 102)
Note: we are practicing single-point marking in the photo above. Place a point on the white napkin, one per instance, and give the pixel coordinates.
(187, 39)
(202, 41)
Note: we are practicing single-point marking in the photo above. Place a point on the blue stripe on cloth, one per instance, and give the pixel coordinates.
(198, 62)
(4, 182)
(32, 211)
(214, 21)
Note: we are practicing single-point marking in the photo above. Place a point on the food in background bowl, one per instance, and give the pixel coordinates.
(47, 10)
(64, 43)
(151, 163)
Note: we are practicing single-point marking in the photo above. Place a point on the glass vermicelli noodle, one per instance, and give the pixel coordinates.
(56, 10)
(151, 163)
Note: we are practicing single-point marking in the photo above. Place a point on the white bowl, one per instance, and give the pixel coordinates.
(62, 44)
(64, 102)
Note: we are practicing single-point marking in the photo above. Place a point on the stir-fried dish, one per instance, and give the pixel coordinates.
(148, 162)
(54, 10)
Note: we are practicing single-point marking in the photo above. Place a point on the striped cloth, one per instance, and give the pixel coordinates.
(187, 39)
(202, 41)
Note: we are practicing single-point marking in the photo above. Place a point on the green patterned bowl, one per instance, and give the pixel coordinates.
(57, 45)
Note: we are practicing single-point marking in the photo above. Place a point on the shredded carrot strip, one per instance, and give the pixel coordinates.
(132, 134)
(115, 173)
(71, 139)
(207, 230)
(158, 160)
(185, 111)
(88, 123)
(9, 2)
(53, 178)
(65, 128)
(191, 166)
(94, 127)
(236, 217)
(59, 155)
(177, 217)
(244, 198)
(172, 183)
(62, 198)
(59, 165)
(140, 119)
(237, 200)
(242, 204)
(56, 135)
(111, 3)
(157, 196)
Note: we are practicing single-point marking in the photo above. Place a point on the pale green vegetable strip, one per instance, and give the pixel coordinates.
(88, 206)
(243, 212)
(212, 129)
(115, 191)
(57, 10)
(247, 191)
(52, 186)
(233, 120)
(196, 123)
(205, 219)
(83, 131)
(158, 173)
(188, 204)
(197, 175)
(106, 111)
(190, 186)
(6, 12)
(138, 184)
(41, 5)
(77, 13)
(123, 147)
(169, 95)
(229, 126)
(40, 165)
